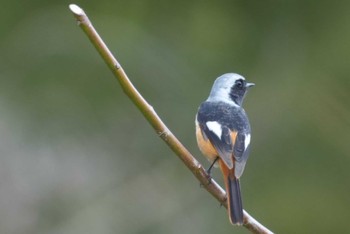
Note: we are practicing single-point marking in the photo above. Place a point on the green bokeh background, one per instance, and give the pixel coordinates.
(78, 157)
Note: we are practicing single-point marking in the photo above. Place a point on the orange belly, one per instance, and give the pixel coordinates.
(205, 146)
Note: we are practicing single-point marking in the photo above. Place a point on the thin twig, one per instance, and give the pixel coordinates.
(163, 132)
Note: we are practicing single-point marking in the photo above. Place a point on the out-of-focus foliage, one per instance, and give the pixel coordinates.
(77, 157)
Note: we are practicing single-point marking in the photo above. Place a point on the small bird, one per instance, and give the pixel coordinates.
(223, 136)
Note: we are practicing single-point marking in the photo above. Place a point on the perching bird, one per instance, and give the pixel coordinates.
(223, 135)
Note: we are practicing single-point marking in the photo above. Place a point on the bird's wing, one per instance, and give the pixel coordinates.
(241, 152)
(221, 138)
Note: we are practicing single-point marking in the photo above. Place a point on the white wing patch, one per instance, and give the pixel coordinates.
(246, 141)
(215, 127)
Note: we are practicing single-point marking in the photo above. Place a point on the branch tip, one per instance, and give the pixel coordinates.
(76, 9)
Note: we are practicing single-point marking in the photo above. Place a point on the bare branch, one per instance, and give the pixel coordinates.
(161, 129)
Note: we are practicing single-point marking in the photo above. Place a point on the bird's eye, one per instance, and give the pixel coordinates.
(239, 83)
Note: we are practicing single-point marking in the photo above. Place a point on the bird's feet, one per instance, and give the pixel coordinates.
(209, 178)
(209, 172)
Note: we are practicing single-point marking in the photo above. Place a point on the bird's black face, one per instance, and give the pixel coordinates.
(238, 91)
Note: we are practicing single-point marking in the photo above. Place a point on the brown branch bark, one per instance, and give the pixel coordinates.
(161, 129)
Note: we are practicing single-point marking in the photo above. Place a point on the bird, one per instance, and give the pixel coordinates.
(223, 135)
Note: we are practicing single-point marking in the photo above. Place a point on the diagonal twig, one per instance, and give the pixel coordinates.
(161, 129)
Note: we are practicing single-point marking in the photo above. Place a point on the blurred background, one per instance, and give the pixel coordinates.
(78, 157)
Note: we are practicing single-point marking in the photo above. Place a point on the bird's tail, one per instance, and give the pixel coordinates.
(233, 190)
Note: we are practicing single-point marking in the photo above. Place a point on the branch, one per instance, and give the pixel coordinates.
(147, 110)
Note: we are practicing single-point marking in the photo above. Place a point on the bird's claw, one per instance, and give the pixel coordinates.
(209, 181)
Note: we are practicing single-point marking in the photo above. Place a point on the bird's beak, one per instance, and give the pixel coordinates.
(248, 85)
